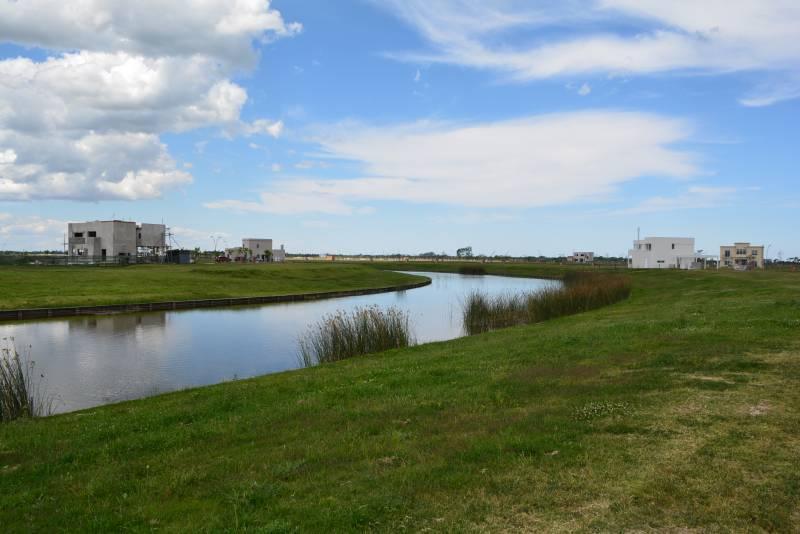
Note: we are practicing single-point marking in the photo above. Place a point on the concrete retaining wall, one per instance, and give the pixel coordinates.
(39, 313)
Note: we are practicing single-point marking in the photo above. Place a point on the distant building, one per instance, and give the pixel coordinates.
(665, 253)
(258, 250)
(182, 257)
(742, 256)
(581, 257)
(107, 239)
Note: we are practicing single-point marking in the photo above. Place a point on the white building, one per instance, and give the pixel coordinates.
(664, 253)
(106, 239)
(581, 257)
(258, 250)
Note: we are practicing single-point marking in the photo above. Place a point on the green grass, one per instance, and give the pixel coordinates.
(49, 287)
(676, 409)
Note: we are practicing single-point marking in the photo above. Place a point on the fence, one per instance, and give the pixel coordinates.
(61, 259)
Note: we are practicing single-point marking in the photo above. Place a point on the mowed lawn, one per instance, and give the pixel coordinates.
(47, 287)
(676, 409)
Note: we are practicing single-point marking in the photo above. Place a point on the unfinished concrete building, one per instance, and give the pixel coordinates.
(111, 239)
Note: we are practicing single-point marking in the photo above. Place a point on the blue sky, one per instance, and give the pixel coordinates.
(404, 126)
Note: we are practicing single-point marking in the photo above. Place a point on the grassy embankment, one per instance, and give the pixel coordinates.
(50, 287)
(678, 408)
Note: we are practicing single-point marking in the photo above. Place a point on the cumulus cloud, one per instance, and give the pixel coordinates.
(220, 29)
(537, 161)
(30, 232)
(718, 36)
(84, 123)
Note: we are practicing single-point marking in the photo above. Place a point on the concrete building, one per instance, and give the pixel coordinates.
(664, 253)
(742, 256)
(108, 239)
(258, 250)
(581, 257)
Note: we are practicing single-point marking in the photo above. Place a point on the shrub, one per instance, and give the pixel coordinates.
(580, 292)
(362, 331)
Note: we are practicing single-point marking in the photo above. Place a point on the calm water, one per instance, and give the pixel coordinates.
(88, 361)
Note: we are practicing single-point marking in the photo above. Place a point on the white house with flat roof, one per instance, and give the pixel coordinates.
(664, 253)
(254, 249)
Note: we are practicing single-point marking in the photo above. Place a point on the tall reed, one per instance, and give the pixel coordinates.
(580, 292)
(20, 394)
(361, 331)
(477, 270)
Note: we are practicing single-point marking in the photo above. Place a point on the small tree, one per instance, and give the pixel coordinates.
(465, 252)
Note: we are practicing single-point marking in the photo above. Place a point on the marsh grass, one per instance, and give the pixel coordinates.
(20, 394)
(580, 292)
(361, 331)
(475, 270)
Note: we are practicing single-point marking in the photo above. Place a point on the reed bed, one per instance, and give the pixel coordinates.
(362, 331)
(472, 270)
(20, 394)
(580, 292)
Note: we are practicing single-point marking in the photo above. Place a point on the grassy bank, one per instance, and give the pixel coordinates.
(49, 287)
(678, 408)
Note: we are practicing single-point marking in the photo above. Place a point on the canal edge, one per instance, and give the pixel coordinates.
(70, 311)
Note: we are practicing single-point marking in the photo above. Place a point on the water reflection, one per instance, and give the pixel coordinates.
(89, 361)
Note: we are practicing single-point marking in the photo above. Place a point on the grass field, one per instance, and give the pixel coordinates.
(49, 287)
(678, 408)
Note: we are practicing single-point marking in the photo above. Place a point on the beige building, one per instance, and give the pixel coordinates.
(742, 256)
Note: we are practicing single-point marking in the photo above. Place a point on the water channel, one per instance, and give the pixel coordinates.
(89, 361)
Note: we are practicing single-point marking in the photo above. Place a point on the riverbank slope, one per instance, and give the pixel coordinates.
(676, 409)
(53, 287)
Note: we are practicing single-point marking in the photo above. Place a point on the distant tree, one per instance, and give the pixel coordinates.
(465, 252)
(428, 255)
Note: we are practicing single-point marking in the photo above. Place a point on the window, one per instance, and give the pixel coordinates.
(649, 246)
(78, 234)
(741, 252)
(755, 252)
(728, 253)
(673, 246)
(92, 234)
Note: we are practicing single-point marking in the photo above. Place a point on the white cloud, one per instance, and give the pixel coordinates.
(191, 237)
(774, 91)
(717, 36)
(584, 89)
(417, 76)
(276, 167)
(85, 123)
(30, 232)
(537, 161)
(219, 29)
(695, 197)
